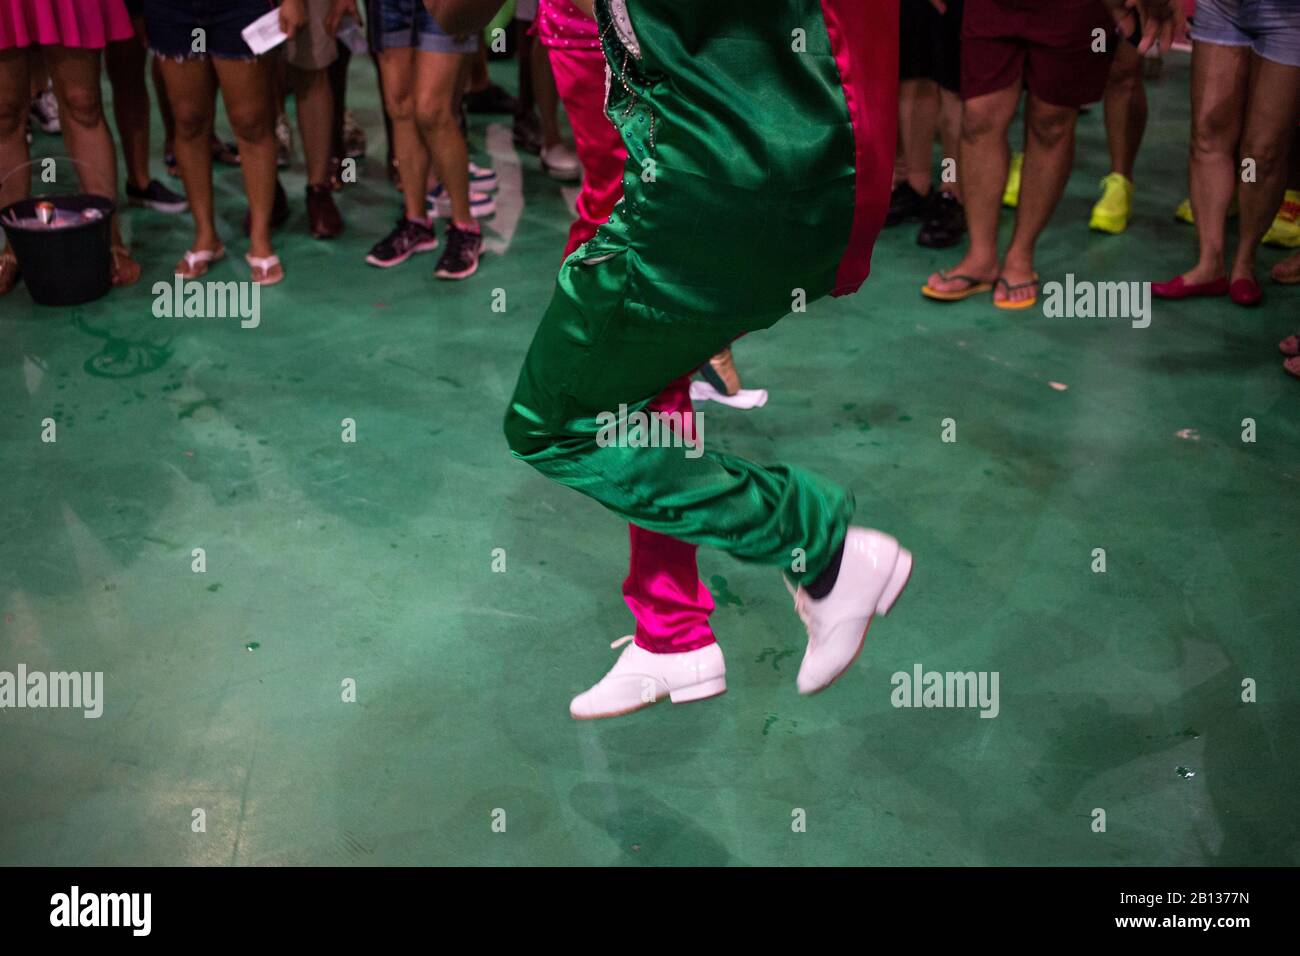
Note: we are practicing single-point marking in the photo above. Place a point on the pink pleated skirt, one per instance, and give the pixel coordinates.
(84, 24)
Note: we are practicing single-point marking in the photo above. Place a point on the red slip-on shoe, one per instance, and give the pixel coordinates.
(1176, 288)
(1245, 292)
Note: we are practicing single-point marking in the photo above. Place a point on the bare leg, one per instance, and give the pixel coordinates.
(918, 117)
(1125, 107)
(548, 100)
(14, 101)
(164, 105)
(1049, 156)
(247, 91)
(39, 75)
(478, 72)
(437, 77)
(338, 80)
(983, 163)
(1220, 76)
(14, 81)
(397, 72)
(950, 110)
(190, 85)
(526, 45)
(125, 62)
(81, 111)
(315, 99)
(76, 84)
(1272, 111)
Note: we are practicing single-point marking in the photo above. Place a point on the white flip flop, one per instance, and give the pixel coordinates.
(194, 258)
(265, 264)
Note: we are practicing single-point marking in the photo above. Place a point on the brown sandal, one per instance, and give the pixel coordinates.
(125, 270)
(8, 271)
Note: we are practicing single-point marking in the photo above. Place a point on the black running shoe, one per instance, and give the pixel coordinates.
(460, 258)
(944, 224)
(156, 196)
(527, 133)
(490, 99)
(403, 242)
(904, 203)
(279, 210)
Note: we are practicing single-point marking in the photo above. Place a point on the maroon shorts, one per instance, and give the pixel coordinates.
(1047, 46)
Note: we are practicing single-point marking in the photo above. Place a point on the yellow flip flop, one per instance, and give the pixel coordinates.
(973, 287)
(1015, 306)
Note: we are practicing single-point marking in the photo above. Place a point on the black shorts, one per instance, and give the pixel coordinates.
(171, 25)
(929, 46)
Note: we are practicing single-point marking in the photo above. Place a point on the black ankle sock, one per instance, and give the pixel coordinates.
(821, 587)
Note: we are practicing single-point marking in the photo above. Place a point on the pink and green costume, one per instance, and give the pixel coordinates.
(760, 139)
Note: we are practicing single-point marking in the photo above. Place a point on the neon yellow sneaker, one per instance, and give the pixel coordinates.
(1184, 211)
(1115, 205)
(1285, 231)
(1011, 192)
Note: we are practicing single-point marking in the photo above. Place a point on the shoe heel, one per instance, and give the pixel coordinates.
(708, 688)
(897, 581)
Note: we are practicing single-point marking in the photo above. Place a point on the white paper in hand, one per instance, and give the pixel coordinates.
(352, 36)
(264, 33)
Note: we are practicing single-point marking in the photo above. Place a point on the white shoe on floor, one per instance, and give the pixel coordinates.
(561, 162)
(640, 678)
(438, 203)
(702, 391)
(873, 572)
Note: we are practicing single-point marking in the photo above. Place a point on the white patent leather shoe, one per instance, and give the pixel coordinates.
(640, 678)
(873, 572)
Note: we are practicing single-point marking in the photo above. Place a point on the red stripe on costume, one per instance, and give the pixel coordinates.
(864, 40)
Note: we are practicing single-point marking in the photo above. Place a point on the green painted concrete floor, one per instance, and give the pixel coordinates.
(373, 561)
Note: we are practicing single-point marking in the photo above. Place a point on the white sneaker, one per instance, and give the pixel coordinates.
(561, 162)
(283, 142)
(873, 572)
(640, 678)
(482, 178)
(481, 205)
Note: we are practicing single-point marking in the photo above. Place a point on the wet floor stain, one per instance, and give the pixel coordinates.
(121, 357)
(790, 726)
(775, 655)
(722, 595)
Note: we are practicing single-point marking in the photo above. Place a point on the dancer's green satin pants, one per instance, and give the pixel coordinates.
(738, 201)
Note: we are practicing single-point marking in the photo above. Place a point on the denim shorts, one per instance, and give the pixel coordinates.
(171, 25)
(1269, 27)
(406, 24)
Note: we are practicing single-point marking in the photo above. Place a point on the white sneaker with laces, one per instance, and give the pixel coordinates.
(640, 678)
(873, 572)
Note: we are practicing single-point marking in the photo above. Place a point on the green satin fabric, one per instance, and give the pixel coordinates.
(748, 196)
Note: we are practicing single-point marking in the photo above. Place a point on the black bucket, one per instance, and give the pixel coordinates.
(64, 265)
